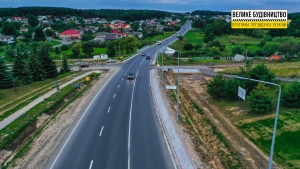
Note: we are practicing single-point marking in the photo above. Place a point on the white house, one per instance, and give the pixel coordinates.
(238, 58)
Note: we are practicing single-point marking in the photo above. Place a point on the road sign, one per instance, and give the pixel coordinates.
(158, 65)
(171, 87)
(242, 93)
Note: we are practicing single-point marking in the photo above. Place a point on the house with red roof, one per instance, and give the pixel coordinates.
(274, 57)
(70, 34)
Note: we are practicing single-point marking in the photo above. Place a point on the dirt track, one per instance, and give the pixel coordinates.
(193, 89)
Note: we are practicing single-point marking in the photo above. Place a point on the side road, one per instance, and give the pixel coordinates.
(179, 151)
(18, 113)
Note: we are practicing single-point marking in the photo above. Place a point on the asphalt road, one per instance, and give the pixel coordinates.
(118, 127)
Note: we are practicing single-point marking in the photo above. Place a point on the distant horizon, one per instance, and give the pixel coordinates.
(177, 6)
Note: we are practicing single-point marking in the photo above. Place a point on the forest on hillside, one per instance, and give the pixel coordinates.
(129, 15)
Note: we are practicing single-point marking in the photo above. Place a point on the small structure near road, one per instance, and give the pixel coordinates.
(238, 58)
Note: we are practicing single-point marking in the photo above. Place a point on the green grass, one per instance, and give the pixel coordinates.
(54, 42)
(26, 147)
(192, 36)
(259, 129)
(13, 93)
(154, 39)
(98, 51)
(280, 69)
(287, 145)
(230, 41)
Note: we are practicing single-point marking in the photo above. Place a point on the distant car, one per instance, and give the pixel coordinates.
(147, 57)
(84, 64)
(143, 54)
(111, 61)
(130, 76)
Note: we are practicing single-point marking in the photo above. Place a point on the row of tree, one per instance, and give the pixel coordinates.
(130, 15)
(261, 99)
(30, 64)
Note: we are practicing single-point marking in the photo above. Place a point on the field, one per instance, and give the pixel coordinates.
(231, 41)
(281, 69)
(154, 39)
(54, 42)
(286, 149)
(68, 53)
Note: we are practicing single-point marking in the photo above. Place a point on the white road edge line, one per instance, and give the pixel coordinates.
(130, 122)
(108, 110)
(79, 122)
(114, 95)
(91, 164)
(118, 86)
(101, 131)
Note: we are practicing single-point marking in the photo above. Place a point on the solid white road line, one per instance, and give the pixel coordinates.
(78, 123)
(91, 164)
(130, 122)
(101, 130)
(114, 95)
(108, 110)
(118, 86)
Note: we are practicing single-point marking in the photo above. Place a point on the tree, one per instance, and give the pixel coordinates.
(260, 99)
(9, 53)
(57, 51)
(64, 47)
(237, 50)
(285, 47)
(32, 20)
(259, 52)
(47, 62)
(36, 67)
(215, 87)
(261, 72)
(76, 52)
(270, 48)
(188, 46)
(5, 76)
(65, 66)
(209, 38)
(209, 28)
(39, 34)
(88, 48)
(87, 36)
(231, 87)
(291, 95)
(111, 52)
(21, 71)
(8, 28)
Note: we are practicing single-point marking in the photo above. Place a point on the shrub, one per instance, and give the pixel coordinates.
(291, 95)
(260, 99)
(215, 87)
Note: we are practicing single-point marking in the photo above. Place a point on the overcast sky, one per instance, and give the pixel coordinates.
(164, 5)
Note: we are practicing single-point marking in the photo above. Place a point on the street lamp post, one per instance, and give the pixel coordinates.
(162, 62)
(276, 116)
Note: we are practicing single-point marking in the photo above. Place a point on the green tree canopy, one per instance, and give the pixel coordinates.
(49, 66)
(291, 95)
(260, 99)
(88, 48)
(39, 34)
(6, 78)
(8, 28)
(32, 20)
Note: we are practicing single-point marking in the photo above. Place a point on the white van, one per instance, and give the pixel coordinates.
(159, 42)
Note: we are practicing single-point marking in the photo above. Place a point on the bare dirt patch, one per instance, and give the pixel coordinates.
(206, 144)
(42, 147)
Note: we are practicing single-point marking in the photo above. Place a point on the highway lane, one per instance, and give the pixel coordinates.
(119, 127)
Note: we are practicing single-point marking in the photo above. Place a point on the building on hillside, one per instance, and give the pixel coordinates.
(70, 34)
(138, 34)
(6, 38)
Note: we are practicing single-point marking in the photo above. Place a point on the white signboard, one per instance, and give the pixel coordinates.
(242, 93)
(104, 56)
(96, 57)
(170, 87)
